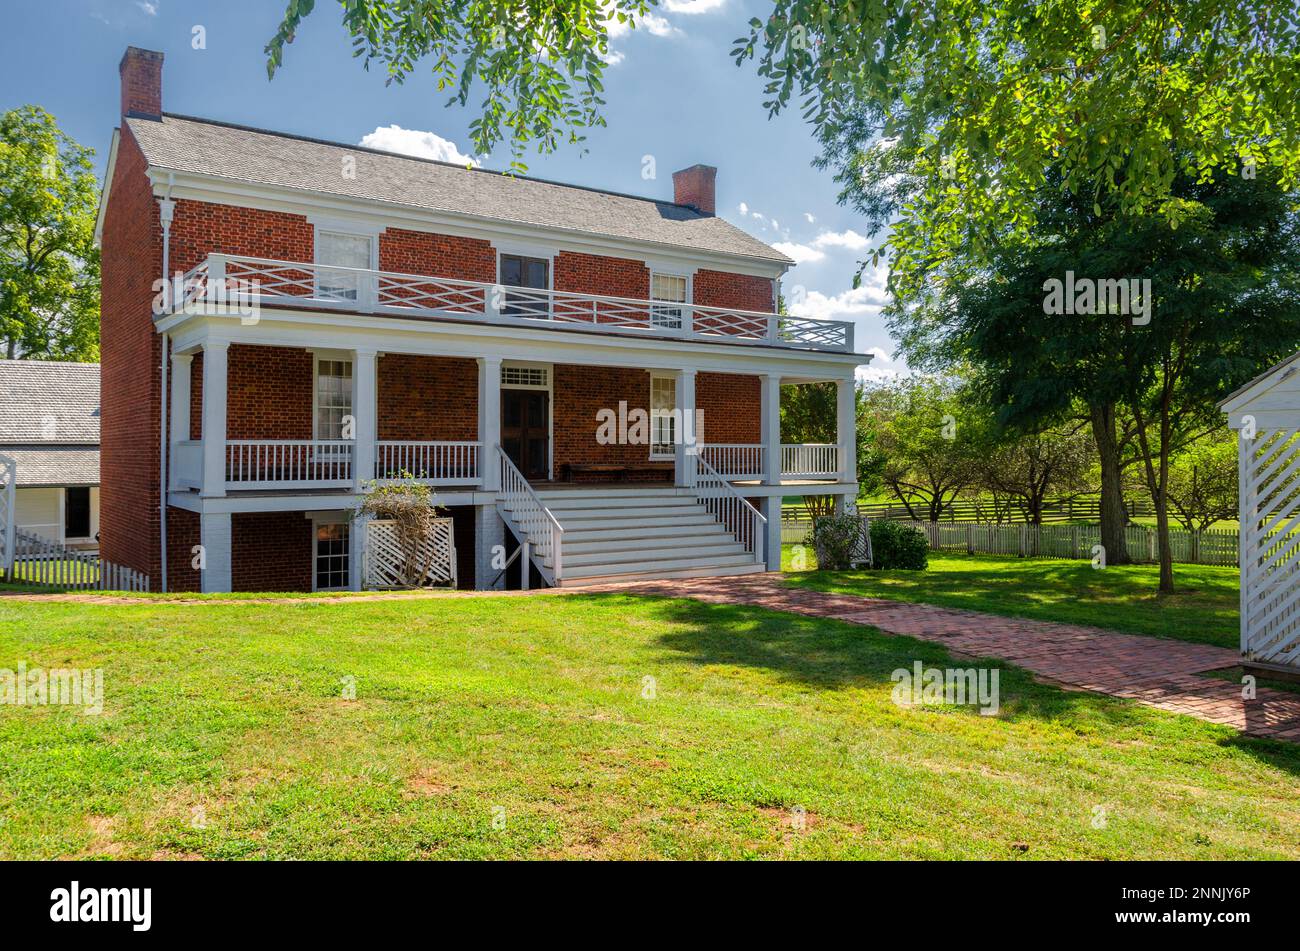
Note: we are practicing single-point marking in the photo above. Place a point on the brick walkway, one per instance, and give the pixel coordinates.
(1152, 671)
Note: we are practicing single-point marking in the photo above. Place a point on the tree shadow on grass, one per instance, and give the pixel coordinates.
(827, 654)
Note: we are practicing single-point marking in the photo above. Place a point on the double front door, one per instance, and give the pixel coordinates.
(525, 431)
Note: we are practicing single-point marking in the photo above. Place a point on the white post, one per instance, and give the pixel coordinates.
(364, 401)
(1246, 520)
(846, 428)
(216, 537)
(358, 543)
(182, 365)
(770, 423)
(489, 421)
(489, 542)
(214, 417)
(683, 468)
(772, 548)
(525, 564)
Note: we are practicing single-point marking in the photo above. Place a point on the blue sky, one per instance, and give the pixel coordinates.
(672, 93)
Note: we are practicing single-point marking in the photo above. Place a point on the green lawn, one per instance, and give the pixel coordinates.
(513, 727)
(1203, 609)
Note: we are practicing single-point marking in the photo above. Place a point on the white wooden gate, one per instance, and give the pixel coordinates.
(1269, 482)
(386, 562)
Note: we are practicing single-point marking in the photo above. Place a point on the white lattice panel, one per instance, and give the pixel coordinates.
(1269, 473)
(389, 565)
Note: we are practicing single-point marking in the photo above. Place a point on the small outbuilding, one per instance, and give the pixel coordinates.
(49, 428)
(1266, 415)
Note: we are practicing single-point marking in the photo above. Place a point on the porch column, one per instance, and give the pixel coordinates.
(358, 541)
(683, 454)
(489, 547)
(770, 426)
(364, 425)
(179, 399)
(489, 421)
(217, 538)
(846, 429)
(772, 543)
(214, 417)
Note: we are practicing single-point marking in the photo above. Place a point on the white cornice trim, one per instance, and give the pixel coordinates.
(301, 201)
(108, 184)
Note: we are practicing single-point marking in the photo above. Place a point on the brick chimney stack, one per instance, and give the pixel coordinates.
(141, 72)
(694, 186)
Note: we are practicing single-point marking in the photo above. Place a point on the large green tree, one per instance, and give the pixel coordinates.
(940, 118)
(49, 267)
(1223, 302)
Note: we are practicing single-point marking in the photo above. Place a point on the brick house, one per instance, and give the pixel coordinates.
(347, 315)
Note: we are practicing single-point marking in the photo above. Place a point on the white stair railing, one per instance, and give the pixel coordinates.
(541, 528)
(729, 507)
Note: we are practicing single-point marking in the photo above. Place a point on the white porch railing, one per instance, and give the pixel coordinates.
(798, 460)
(810, 460)
(279, 463)
(435, 463)
(729, 507)
(736, 460)
(530, 516)
(412, 295)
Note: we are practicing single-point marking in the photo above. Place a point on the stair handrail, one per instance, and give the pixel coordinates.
(729, 507)
(538, 522)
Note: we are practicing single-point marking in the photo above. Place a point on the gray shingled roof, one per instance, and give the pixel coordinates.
(48, 403)
(46, 466)
(185, 144)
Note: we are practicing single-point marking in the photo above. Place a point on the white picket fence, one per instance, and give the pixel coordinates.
(1211, 547)
(39, 561)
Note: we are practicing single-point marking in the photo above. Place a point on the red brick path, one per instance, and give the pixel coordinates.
(1152, 671)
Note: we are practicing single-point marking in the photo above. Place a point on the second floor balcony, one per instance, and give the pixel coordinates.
(224, 283)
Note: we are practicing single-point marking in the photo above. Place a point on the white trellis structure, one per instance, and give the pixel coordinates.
(386, 562)
(1266, 415)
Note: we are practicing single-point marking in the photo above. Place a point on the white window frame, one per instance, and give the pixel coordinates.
(671, 381)
(331, 356)
(324, 518)
(663, 317)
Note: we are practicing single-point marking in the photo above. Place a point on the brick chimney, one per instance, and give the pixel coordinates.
(141, 72)
(694, 186)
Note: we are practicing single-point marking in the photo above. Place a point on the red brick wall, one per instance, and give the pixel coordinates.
(182, 535)
(269, 393)
(200, 228)
(129, 359)
(423, 398)
(598, 274)
(731, 407)
(440, 255)
(741, 291)
(196, 395)
(272, 551)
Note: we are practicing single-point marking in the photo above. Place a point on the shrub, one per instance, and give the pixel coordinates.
(898, 546)
(833, 539)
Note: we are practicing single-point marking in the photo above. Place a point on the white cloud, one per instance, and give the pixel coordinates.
(799, 253)
(693, 6)
(840, 239)
(652, 23)
(428, 145)
(150, 8)
(743, 208)
(862, 301)
(879, 353)
(809, 216)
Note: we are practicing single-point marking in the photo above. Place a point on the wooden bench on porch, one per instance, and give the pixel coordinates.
(619, 472)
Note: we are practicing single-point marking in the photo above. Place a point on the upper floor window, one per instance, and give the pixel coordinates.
(667, 287)
(333, 397)
(520, 271)
(342, 250)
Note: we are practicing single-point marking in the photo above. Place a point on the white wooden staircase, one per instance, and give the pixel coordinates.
(632, 532)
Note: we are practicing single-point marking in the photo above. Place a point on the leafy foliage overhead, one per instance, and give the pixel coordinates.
(947, 115)
(539, 61)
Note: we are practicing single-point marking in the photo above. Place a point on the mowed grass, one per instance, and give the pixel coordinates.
(526, 727)
(1203, 609)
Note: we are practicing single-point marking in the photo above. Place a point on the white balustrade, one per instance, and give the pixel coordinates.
(434, 462)
(280, 463)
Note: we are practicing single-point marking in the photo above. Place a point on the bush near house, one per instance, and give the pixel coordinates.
(895, 546)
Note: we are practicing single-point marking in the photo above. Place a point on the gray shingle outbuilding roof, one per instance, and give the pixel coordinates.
(198, 146)
(49, 421)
